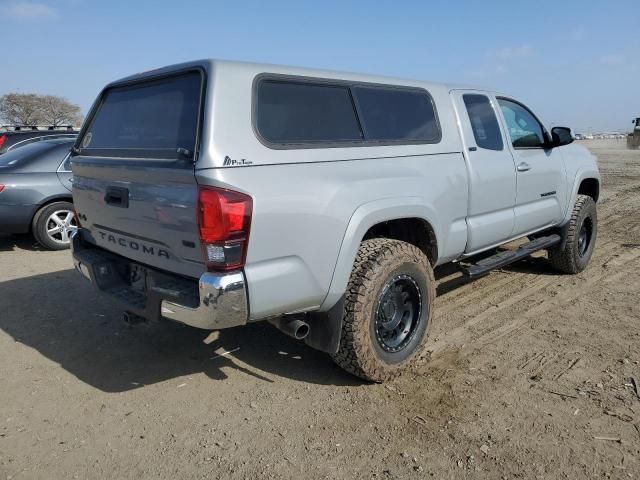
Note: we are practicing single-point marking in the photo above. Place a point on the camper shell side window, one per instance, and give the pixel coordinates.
(300, 112)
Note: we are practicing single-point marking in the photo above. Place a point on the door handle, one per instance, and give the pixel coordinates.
(523, 167)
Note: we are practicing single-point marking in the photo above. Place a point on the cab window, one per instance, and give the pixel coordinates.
(524, 129)
(484, 122)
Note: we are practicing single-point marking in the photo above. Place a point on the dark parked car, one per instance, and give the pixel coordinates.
(15, 139)
(35, 192)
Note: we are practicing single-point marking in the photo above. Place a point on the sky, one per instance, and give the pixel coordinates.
(574, 63)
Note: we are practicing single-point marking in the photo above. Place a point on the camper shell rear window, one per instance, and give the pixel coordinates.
(155, 119)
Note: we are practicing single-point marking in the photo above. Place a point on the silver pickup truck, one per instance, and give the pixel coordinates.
(219, 193)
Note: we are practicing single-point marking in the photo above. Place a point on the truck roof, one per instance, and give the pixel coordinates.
(256, 68)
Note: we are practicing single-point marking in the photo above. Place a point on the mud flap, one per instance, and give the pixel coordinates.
(564, 234)
(326, 328)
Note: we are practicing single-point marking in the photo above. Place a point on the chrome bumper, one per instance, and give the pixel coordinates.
(223, 303)
(222, 297)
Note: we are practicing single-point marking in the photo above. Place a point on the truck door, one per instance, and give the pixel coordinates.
(492, 175)
(540, 171)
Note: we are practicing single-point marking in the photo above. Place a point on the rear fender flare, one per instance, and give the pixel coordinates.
(365, 217)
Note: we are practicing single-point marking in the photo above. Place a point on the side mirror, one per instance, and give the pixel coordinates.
(561, 136)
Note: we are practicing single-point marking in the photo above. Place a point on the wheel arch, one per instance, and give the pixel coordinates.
(46, 202)
(585, 182)
(414, 230)
(591, 187)
(390, 218)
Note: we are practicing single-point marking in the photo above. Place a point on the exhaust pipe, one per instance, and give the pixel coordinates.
(131, 318)
(292, 326)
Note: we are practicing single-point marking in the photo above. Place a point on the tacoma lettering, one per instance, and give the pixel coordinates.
(133, 245)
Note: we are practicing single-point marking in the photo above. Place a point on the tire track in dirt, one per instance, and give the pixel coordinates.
(468, 295)
(483, 313)
(469, 292)
(494, 313)
(478, 290)
(469, 313)
(565, 297)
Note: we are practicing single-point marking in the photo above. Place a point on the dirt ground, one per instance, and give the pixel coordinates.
(528, 374)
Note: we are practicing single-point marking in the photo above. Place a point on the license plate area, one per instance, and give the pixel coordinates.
(137, 277)
(141, 288)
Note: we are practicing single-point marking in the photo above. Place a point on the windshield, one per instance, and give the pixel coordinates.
(155, 119)
(39, 138)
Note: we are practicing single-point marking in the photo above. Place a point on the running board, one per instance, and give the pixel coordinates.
(502, 259)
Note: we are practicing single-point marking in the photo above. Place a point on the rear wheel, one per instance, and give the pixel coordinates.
(53, 225)
(387, 309)
(581, 238)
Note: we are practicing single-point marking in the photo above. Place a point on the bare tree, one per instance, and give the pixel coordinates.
(58, 111)
(20, 109)
(33, 109)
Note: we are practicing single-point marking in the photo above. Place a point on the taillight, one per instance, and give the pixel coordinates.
(3, 138)
(1, 187)
(224, 219)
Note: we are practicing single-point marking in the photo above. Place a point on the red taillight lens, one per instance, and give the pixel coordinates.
(1, 187)
(224, 218)
(3, 138)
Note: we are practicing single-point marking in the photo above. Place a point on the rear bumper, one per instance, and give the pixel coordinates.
(223, 303)
(213, 302)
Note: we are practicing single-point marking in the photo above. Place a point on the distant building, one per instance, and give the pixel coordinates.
(600, 136)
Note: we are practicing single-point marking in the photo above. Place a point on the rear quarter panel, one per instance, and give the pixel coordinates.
(308, 220)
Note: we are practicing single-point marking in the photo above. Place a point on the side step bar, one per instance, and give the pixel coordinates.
(503, 259)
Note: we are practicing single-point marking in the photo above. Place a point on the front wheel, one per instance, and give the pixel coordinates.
(387, 309)
(581, 238)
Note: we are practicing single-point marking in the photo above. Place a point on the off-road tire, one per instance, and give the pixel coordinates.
(378, 262)
(39, 225)
(568, 259)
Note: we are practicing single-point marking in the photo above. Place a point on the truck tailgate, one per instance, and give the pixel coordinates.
(145, 213)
